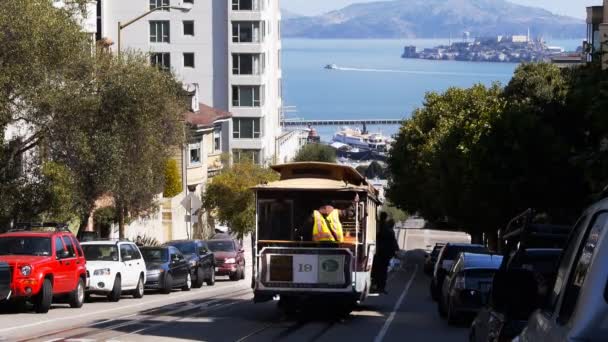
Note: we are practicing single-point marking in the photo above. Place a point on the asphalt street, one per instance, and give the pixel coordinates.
(225, 312)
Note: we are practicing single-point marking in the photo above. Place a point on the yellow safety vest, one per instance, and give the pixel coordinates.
(321, 231)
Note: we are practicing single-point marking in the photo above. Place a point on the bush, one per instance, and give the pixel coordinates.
(173, 181)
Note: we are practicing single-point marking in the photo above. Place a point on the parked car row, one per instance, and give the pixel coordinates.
(43, 263)
(549, 284)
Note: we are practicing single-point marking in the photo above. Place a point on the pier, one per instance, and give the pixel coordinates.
(347, 122)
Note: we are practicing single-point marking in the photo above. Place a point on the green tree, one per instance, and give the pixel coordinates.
(316, 153)
(473, 158)
(43, 53)
(230, 198)
(127, 125)
(173, 181)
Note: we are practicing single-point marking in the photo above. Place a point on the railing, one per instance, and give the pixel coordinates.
(342, 122)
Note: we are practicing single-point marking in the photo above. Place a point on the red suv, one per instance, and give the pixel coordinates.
(44, 264)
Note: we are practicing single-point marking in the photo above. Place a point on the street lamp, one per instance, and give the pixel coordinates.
(159, 8)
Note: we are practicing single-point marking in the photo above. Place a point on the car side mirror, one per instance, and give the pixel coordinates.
(203, 251)
(515, 293)
(126, 258)
(63, 254)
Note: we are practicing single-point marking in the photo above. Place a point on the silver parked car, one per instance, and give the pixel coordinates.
(577, 308)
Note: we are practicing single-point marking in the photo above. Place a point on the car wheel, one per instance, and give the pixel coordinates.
(77, 296)
(243, 273)
(44, 299)
(433, 292)
(139, 291)
(211, 280)
(114, 296)
(200, 278)
(87, 297)
(234, 276)
(168, 284)
(188, 284)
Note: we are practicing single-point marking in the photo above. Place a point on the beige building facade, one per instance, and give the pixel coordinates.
(597, 33)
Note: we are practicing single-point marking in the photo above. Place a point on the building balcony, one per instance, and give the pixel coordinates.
(253, 112)
(247, 144)
(254, 48)
(246, 15)
(246, 79)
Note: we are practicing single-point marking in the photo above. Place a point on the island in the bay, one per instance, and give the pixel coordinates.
(508, 49)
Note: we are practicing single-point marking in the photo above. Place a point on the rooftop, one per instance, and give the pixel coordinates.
(206, 116)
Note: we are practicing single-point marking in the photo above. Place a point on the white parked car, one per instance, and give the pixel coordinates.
(114, 268)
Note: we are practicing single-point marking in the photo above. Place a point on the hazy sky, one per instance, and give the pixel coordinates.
(575, 8)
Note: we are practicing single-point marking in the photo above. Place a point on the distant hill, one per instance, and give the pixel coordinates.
(433, 19)
(287, 15)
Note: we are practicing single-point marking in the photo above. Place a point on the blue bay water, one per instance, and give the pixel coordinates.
(374, 81)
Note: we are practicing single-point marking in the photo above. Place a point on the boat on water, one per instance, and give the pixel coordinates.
(331, 67)
(363, 140)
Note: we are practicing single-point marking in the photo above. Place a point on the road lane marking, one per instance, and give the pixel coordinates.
(95, 313)
(390, 319)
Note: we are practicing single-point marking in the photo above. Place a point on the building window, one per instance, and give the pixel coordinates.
(159, 3)
(161, 60)
(217, 138)
(195, 154)
(247, 32)
(159, 31)
(280, 88)
(248, 64)
(188, 28)
(246, 128)
(188, 60)
(246, 5)
(246, 96)
(246, 156)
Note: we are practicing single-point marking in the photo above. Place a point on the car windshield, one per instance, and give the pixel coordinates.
(184, 247)
(452, 252)
(100, 252)
(154, 254)
(39, 246)
(221, 246)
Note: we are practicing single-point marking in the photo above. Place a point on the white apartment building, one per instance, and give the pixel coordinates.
(255, 78)
(227, 50)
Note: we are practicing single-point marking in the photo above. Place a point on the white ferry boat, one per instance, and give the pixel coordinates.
(363, 140)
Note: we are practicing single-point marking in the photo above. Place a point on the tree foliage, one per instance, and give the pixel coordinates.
(84, 124)
(173, 180)
(473, 158)
(316, 153)
(229, 195)
(127, 123)
(373, 170)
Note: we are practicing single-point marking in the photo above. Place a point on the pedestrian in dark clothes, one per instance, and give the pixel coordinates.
(386, 247)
